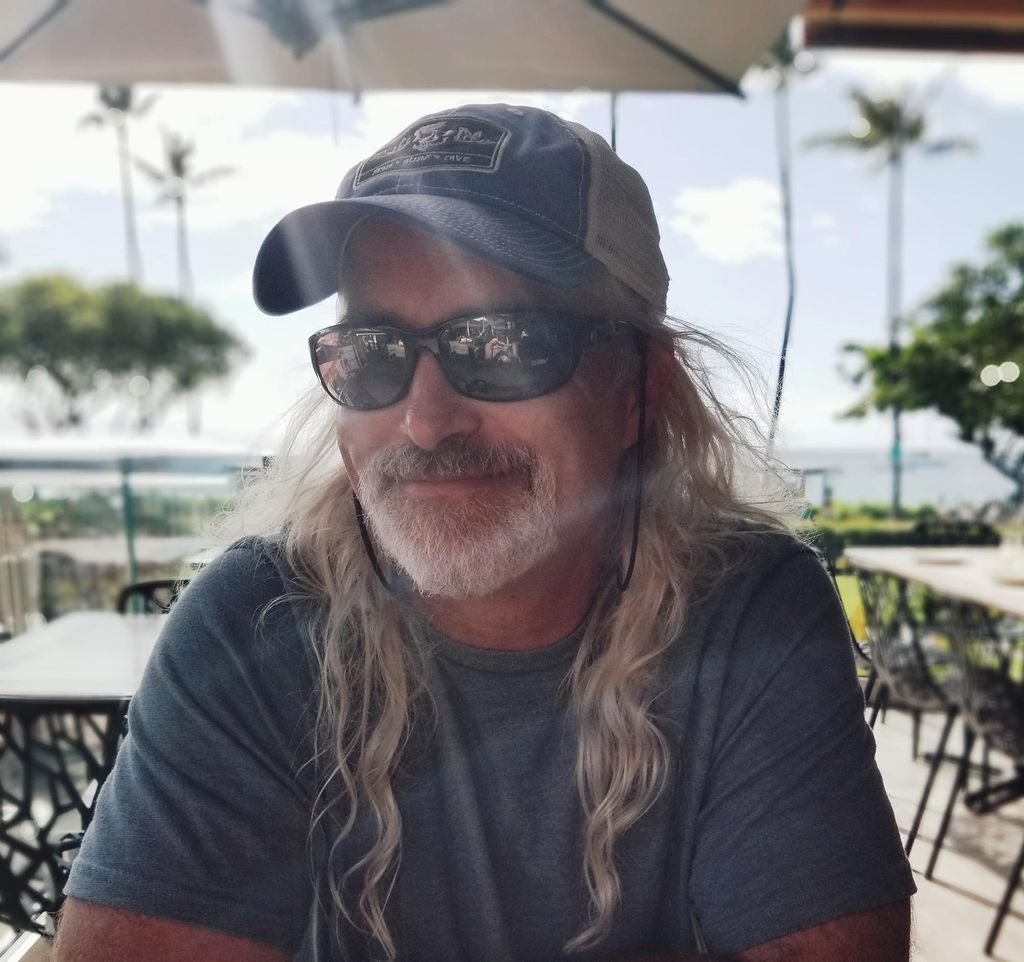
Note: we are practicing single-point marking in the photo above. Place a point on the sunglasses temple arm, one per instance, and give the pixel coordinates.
(367, 543)
(638, 485)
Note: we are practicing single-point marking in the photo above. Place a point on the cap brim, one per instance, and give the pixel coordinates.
(299, 262)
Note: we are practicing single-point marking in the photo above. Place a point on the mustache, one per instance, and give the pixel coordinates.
(453, 459)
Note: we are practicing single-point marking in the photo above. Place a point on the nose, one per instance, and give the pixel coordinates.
(434, 410)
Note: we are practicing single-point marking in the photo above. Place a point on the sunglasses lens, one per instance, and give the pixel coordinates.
(362, 369)
(506, 358)
(492, 357)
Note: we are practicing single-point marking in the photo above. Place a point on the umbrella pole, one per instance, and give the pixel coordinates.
(129, 521)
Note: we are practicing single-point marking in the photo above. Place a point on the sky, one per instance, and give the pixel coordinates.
(709, 161)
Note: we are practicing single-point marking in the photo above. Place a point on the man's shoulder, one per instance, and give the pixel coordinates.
(248, 566)
(743, 560)
(764, 590)
(241, 604)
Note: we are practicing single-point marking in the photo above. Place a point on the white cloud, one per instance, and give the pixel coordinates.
(885, 70)
(996, 79)
(825, 228)
(734, 223)
(1000, 80)
(58, 156)
(46, 152)
(274, 168)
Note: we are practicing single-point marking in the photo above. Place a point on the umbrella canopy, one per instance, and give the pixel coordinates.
(114, 462)
(656, 45)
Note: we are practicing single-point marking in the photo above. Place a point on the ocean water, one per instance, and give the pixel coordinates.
(945, 479)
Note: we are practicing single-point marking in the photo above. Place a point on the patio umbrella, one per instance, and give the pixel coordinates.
(115, 462)
(615, 45)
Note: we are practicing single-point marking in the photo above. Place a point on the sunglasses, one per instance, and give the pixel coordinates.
(499, 356)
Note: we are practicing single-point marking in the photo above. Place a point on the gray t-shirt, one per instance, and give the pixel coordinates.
(774, 817)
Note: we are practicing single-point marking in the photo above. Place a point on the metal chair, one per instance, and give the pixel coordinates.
(913, 665)
(991, 664)
(53, 758)
(150, 597)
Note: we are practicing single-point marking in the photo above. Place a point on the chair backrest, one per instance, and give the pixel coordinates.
(61, 752)
(150, 597)
(908, 648)
(990, 653)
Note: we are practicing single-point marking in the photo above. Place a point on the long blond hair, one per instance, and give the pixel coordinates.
(370, 661)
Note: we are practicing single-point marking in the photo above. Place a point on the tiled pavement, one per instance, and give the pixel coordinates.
(954, 911)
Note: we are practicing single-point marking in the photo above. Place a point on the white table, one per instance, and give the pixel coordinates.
(86, 656)
(993, 577)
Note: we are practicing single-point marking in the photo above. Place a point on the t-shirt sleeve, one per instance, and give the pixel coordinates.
(794, 827)
(205, 819)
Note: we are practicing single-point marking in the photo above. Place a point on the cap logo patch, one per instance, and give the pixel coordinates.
(453, 143)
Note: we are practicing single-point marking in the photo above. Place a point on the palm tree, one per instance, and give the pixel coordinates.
(175, 180)
(885, 128)
(780, 62)
(117, 105)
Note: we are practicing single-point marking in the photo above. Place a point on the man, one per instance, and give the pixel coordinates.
(520, 676)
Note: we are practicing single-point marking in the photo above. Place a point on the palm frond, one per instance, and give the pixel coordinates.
(116, 97)
(177, 151)
(95, 119)
(946, 144)
(208, 176)
(779, 56)
(842, 140)
(154, 173)
(862, 100)
(143, 106)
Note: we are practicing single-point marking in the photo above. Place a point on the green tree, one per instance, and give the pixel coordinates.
(175, 179)
(885, 128)
(964, 357)
(117, 106)
(78, 350)
(781, 62)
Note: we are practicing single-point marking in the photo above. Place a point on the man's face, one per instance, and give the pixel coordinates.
(469, 496)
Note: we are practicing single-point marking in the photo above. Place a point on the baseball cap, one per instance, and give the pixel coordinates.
(541, 196)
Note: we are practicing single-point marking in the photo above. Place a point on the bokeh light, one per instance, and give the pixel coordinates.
(990, 375)
(1009, 371)
(23, 492)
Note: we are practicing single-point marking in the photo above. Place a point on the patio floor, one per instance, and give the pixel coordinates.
(953, 912)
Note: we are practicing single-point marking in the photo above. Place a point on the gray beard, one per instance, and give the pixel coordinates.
(461, 548)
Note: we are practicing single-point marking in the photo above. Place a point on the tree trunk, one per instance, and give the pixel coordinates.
(131, 236)
(184, 267)
(782, 147)
(894, 279)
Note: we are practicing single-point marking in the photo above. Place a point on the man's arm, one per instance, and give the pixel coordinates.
(96, 933)
(879, 935)
(205, 819)
(89, 932)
